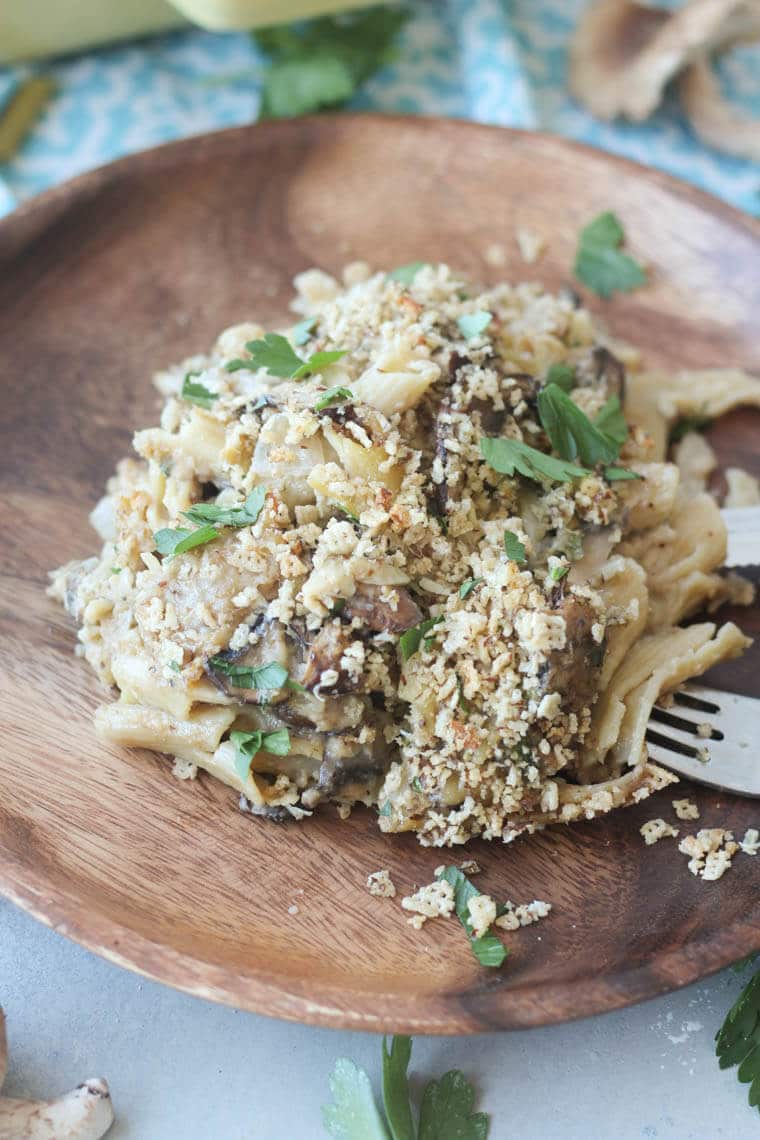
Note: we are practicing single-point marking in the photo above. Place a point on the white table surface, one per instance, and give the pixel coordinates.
(184, 1069)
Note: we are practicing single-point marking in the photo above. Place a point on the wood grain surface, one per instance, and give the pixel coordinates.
(142, 263)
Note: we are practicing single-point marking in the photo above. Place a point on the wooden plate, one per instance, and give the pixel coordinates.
(142, 263)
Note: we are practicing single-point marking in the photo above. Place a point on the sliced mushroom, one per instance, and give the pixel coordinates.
(273, 643)
(323, 663)
(574, 670)
(368, 606)
(601, 368)
(713, 117)
(623, 54)
(351, 770)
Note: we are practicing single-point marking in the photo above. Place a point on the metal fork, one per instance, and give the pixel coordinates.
(728, 758)
(743, 526)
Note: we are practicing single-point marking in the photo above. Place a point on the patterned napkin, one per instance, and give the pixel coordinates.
(496, 62)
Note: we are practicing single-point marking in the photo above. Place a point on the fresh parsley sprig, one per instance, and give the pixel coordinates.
(473, 324)
(269, 677)
(332, 396)
(468, 586)
(563, 375)
(445, 1112)
(488, 950)
(229, 516)
(276, 354)
(571, 432)
(515, 550)
(600, 263)
(248, 744)
(411, 639)
(171, 542)
(197, 393)
(737, 1042)
(512, 456)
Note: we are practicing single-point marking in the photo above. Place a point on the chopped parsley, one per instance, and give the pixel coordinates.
(473, 324)
(563, 375)
(349, 514)
(417, 784)
(336, 395)
(510, 456)
(172, 542)
(275, 353)
(229, 516)
(468, 586)
(116, 569)
(301, 332)
(405, 274)
(619, 474)
(248, 744)
(488, 950)
(514, 548)
(557, 573)
(411, 639)
(600, 263)
(610, 421)
(261, 677)
(571, 432)
(196, 393)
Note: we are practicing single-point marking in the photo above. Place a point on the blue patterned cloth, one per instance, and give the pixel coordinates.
(497, 61)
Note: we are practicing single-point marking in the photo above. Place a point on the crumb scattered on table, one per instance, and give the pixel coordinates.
(530, 244)
(522, 915)
(710, 851)
(655, 829)
(380, 883)
(750, 844)
(685, 809)
(436, 900)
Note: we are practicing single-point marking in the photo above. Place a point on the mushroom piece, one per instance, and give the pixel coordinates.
(377, 615)
(712, 116)
(623, 54)
(574, 670)
(601, 368)
(85, 1113)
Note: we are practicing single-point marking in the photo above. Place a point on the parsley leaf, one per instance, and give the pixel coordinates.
(406, 273)
(557, 573)
(514, 548)
(301, 332)
(396, 1088)
(508, 456)
(610, 421)
(333, 396)
(599, 262)
(172, 542)
(488, 949)
(275, 353)
(738, 1039)
(353, 1115)
(618, 474)
(229, 516)
(263, 677)
(248, 744)
(468, 586)
(196, 393)
(411, 639)
(320, 63)
(571, 431)
(563, 375)
(446, 1112)
(473, 324)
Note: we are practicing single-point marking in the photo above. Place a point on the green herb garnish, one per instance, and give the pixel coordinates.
(468, 586)
(610, 421)
(686, 424)
(196, 393)
(445, 1112)
(571, 432)
(557, 573)
(618, 474)
(247, 744)
(599, 262)
(473, 324)
(301, 332)
(261, 677)
(321, 63)
(333, 396)
(172, 542)
(411, 639)
(738, 1039)
(510, 456)
(405, 274)
(563, 375)
(229, 516)
(417, 784)
(488, 950)
(514, 548)
(276, 354)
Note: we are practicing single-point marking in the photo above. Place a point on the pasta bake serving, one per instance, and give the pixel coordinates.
(422, 550)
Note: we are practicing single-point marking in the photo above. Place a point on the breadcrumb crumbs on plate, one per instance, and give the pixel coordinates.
(184, 769)
(436, 900)
(655, 829)
(750, 844)
(524, 914)
(704, 730)
(685, 809)
(530, 244)
(710, 850)
(380, 883)
(481, 910)
(470, 867)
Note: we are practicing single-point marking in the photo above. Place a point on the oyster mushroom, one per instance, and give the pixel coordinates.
(85, 1113)
(623, 54)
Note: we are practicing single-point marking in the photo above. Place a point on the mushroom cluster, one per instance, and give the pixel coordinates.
(85, 1113)
(624, 54)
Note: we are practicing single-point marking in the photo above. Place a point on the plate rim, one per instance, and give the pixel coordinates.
(339, 1005)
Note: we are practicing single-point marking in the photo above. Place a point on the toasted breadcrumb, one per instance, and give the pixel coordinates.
(704, 730)
(470, 867)
(750, 844)
(482, 913)
(436, 900)
(380, 883)
(685, 809)
(710, 851)
(184, 769)
(530, 244)
(522, 915)
(656, 829)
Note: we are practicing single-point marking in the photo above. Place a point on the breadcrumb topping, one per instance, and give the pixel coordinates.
(656, 829)
(380, 883)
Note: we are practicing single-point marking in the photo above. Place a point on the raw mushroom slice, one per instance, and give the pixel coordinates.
(85, 1113)
(623, 54)
(713, 117)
